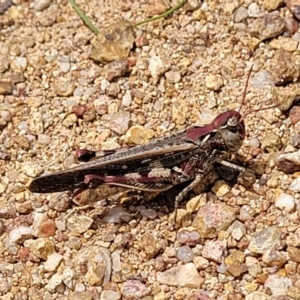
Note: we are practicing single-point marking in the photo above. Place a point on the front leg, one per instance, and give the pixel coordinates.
(231, 165)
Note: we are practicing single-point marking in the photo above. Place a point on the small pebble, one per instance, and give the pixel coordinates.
(117, 214)
(181, 275)
(116, 69)
(158, 66)
(79, 110)
(31, 169)
(286, 202)
(188, 237)
(64, 64)
(55, 284)
(185, 254)
(43, 226)
(69, 278)
(295, 140)
(79, 223)
(221, 188)
(118, 122)
(20, 234)
(43, 139)
(214, 82)
(70, 120)
(278, 285)
(265, 239)
(53, 261)
(173, 76)
(134, 288)
(42, 248)
(64, 88)
(292, 25)
(237, 230)
(148, 213)
(158, 105)
(267, 26)
(6, 87)
(295, 185)
(127, 98)
(240, 14)
(272, 4)
(19, 64)
(113, 89)
(200, 262)
(254, 10)
(214, 250)
(23, 142)
(213, 217)
(141, 41)
(40, 5)
(294, 114)
(274, 257)
(254, 142)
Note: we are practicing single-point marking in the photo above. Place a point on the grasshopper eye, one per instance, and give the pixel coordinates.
(232, 123)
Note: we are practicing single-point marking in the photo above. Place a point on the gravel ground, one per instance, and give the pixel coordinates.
(62, 89)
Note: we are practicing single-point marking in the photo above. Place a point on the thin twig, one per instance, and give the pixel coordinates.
(82, 15)
(94, 29)
(163, 15)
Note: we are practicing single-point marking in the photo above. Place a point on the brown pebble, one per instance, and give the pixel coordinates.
(4, 155)
(255, 151)
(24, 208)
(79, 110)
(141, 41)
(89, 115)
(294, 114)
(116, 69)
(6, 87)
(131, 61)
(46, 229)
(294, 253)
(287, 167)
(23, 142)
(291, 25)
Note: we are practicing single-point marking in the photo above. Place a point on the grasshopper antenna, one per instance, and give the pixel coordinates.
(245, 89)
(244, 98)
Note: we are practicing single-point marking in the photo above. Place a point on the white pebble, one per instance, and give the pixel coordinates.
(40, 5)
(64, 67)
(295, 185)
(127, 98)
(285, 202)
(55, 284)
(185, 254)
(214, 82)
(158, 105)
(20, 234)
(19, 64)
(53, 261)
(31, 169)
(254, 10)
(254, 142)
(69, 278)
(43, 139)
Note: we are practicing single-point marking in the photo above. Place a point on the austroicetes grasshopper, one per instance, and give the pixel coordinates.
(185, 156)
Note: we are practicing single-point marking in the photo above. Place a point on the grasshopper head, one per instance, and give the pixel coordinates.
(231, 128)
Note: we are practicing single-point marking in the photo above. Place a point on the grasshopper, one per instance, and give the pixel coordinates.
(186, 156)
